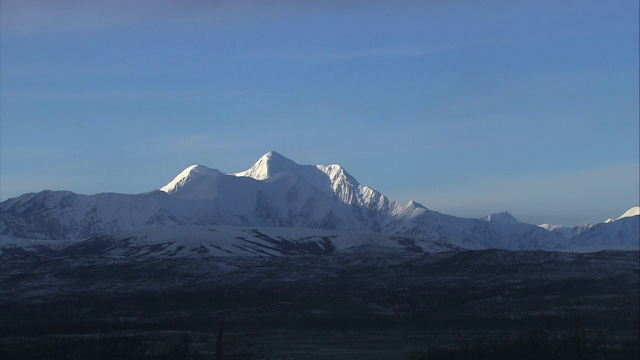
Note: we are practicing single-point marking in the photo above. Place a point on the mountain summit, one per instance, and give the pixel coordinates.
(333, 180)
(192, 177)
(268, 165)
(504, 218)
(634, 211)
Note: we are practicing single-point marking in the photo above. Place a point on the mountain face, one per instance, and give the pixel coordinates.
(623, 233)
(275, 192)
(566, 232)
(503, 218)
(634, 211)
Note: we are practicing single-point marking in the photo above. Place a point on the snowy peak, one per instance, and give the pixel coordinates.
(634, 211)
(415, 205)
(411, 210)
(333, 180)
(569, 232)
(566, 232)
(621, 234)
(349, 191)
(502, 218)
(188, 178)
(268, 165)
(337, 174)
(344, 186)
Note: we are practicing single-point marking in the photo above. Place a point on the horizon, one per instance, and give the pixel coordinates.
(469, 109)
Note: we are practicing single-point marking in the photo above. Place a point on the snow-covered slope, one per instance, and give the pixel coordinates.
(65, 215)
(274, 192)
(332, 180)
(621, 234)
(566, 232)
(198, 241)
(503, 218)
(196, 182)
(634, 211)
(631, 212)
(475, 233)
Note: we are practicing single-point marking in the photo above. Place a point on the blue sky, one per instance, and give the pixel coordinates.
(468, 107)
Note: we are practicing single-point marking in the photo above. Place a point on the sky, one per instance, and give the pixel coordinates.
(467, 107)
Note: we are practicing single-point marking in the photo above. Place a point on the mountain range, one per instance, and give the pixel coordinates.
(276, 207)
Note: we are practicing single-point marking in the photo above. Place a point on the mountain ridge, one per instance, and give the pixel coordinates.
(274, 192)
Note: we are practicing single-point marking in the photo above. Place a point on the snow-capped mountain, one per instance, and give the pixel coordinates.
(629, 213)
(634, 211)
(332, 180)
(503, 218)
(621, 234)
(274, 192)
(566, 232)
(570, 232)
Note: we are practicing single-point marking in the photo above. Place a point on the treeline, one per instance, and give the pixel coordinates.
(124, 346)
(534, 344)
(539, 344)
